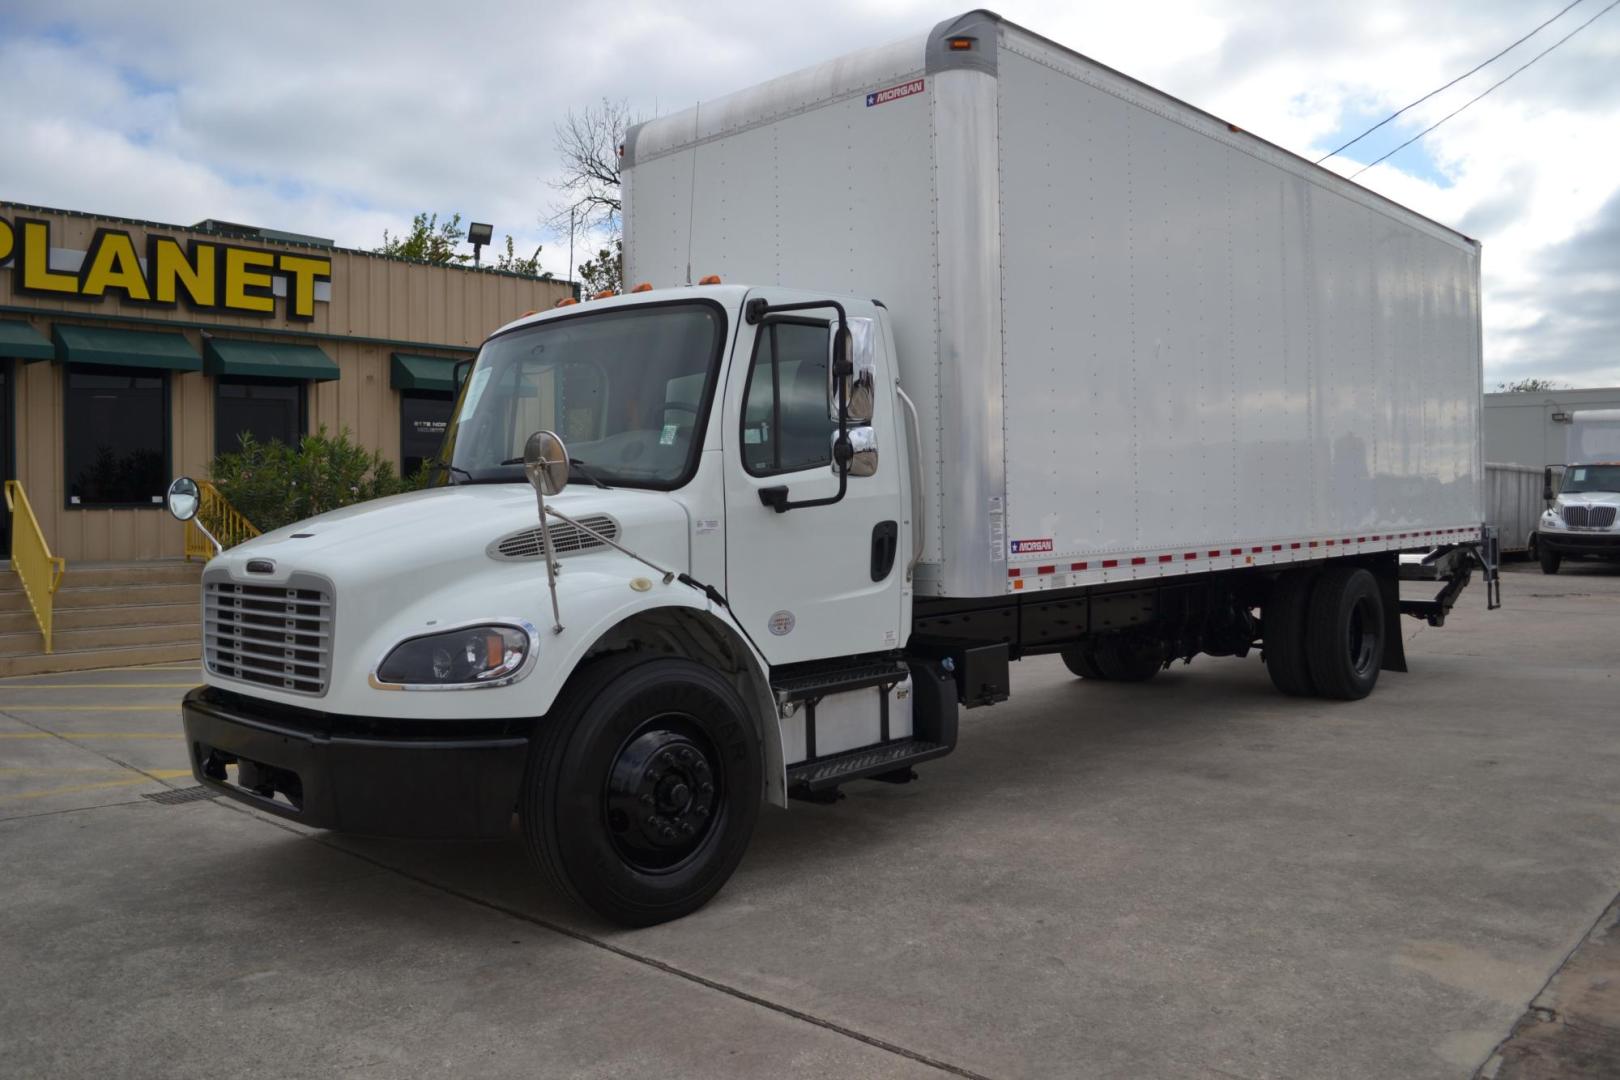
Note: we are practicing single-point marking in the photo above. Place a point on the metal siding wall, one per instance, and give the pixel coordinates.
(425, 308)
(1204, 347)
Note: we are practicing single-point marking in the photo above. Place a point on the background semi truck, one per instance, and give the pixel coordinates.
(1007, 354)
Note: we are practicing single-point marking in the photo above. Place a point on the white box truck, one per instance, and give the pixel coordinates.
(1008, 354)
(1582, 495)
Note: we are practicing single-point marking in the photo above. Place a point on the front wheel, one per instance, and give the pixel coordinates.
(1550, 560)
(643, 787)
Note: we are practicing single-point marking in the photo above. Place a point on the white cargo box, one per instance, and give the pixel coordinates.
(1142, 341)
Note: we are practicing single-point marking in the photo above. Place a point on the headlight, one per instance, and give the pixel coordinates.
(467, 657)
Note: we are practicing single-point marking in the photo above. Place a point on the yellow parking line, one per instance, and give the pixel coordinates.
(31, 770)
(87, 708)
(72, 789)
(89, 735)
(110, 686)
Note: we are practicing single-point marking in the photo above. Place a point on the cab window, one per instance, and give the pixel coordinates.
(785, 425)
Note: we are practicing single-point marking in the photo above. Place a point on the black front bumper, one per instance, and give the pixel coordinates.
(357, 774)
(1580, 543)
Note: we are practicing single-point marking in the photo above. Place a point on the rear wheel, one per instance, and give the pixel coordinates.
(1344, 637)
(1123, 659)
(1082, 660)
(1283, 633)
(643, 788)
(1550, 560)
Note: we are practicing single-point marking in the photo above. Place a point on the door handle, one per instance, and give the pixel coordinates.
(885, 542)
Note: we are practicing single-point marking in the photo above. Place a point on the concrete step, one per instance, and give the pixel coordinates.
(85, 660)
(104, 637)
(151, 572)
(81, 618)
(174, 592)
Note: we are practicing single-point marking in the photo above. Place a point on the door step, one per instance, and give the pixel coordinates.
(829, 772)
(818, 684)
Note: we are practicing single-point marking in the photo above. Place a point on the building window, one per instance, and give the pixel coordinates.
(267, 409)
(785, 424)
(116, 441)
(423, 418)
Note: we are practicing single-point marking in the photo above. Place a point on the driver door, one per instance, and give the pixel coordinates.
(821, 581)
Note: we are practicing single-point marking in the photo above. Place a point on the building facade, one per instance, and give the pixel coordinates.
(132, 352)
(1531, 427)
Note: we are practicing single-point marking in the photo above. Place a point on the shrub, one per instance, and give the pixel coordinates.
(273, 484)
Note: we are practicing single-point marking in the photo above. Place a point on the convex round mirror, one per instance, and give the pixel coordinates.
(545, 462)
(184, 498)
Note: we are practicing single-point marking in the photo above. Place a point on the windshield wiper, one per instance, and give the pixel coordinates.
(574, 463)
(457, 469)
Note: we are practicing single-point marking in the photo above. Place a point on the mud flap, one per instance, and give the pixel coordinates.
(1386, 568)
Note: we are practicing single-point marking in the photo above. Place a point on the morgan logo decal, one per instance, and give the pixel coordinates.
(894, 93)
(1029, 547)
(781, 623)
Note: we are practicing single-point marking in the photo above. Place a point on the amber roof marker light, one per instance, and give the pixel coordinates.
(645, 286)
(961, 44)
(709, 279)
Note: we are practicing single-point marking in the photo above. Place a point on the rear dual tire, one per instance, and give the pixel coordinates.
(1324, 633)
(1114, 658)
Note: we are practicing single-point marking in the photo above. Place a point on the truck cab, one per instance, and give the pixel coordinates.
(729, 502)
(1583, 498)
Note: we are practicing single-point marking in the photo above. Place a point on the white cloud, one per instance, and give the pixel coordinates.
(345, 119)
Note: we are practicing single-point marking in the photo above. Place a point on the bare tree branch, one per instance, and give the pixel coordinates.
(588, 143)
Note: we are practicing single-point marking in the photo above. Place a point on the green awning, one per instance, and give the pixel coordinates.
(125, 348)
(18, 339)
(410, 372)
(268, 359)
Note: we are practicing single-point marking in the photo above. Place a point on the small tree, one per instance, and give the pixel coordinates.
(511, 262)
(1528, 386)
(273, 484)
(605, 272)
(429, 240)
(588, 143)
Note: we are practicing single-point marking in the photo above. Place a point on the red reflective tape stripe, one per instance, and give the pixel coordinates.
(1138, 560)
(1262, 547)
(1329, 543)
(1164, 558)
(1278, 547)
(1077, 566)
(1193, 555)
(1216, 554)
(1046, 569)
(1110, 562)
(1360, 540)
(1313, 544)
(1239, 551)
(1014, 572)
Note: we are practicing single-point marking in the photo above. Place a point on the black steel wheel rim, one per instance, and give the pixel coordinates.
(1363, 634)
(664, 793)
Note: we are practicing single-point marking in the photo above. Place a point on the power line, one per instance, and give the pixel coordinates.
(1612, 5)
(1448, 85)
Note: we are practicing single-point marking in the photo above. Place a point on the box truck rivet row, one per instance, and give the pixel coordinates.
(1029, 359)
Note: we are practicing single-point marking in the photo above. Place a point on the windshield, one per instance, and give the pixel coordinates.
(1591, 478)
(625, 388)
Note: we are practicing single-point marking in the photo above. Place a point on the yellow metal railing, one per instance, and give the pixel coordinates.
(221, 518)
(40, 571)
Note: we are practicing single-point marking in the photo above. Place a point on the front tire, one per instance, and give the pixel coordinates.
(1550, 560)
(1344, 637)
(643, 787)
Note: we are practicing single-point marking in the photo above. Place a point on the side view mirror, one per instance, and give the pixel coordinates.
(184, 498)
(859, 453)
(854, 356)
(545, 462)
(1549, 490)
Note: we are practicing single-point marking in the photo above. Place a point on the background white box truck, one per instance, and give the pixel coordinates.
(1011, 355)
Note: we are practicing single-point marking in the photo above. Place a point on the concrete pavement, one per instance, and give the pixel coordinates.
(1193, 877)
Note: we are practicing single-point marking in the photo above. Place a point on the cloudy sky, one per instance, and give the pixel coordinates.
(343, 119)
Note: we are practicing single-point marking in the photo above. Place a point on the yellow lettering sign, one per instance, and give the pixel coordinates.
(171, 270)
(247, 289)
(37, 276)
(111, 263)
(302, 272)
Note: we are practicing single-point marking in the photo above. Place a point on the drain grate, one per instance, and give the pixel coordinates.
(180, 795)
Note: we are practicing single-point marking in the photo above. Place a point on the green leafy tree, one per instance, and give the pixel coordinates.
(273, 484)
(429, 240)
(511, 262)
(606, 271)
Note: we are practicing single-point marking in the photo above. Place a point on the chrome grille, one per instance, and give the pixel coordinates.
(566, 539)
(273, 635)
(1593, 517)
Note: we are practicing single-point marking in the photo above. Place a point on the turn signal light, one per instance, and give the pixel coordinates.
(645, 286)
(567, 301)
(711, 279)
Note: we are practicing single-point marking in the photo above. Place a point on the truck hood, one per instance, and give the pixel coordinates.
(424, 537)
(1590, 498)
